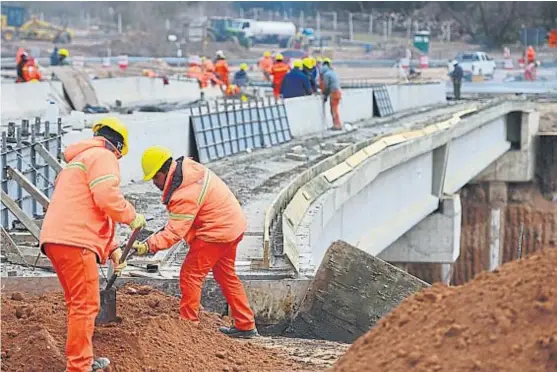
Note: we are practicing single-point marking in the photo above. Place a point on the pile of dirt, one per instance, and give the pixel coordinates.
(501, 321)
(151, 337)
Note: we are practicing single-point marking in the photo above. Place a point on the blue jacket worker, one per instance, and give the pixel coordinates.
(241, 77)
(295, 83)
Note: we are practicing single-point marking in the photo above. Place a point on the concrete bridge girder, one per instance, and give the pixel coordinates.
(394, 202)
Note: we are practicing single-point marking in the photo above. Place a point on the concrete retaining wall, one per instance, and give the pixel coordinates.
(143, 90)
(25, 101)
(170, 129)
(409, 96)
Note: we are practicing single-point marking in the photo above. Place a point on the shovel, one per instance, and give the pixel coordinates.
(107, 314)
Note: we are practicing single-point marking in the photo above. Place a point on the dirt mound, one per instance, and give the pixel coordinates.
(151, 337)
(501, 321)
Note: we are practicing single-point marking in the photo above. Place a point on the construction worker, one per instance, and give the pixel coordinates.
(241, 77)
(279, 71)
(209, 73)
(21, 59)
(31, 71)
(266, 65)
(79, 228)
(530, 71)
(295, 83)
(530, 55)
(63, 55)
(309, 70)
(232, 90)
(195, 71)
(54, 56)
(456, 76)
(206, 214)
(208, 65)
(331, 87)
(221, 68)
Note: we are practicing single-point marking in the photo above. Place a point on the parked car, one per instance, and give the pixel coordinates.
(475, 63)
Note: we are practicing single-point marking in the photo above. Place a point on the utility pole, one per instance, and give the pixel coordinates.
(370, 23)
(409, 31)
(318, 23)
(335, 21)
(119, 23)
(385, 30)
(301, 21)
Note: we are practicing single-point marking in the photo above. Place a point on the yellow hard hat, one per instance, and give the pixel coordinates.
(267, 54)
(319, 59)
(244, 66)
(116, 125)
(307, 62)
(64, 52)
(153, 159)
(298, 63)
(279, 57)
(327, 60)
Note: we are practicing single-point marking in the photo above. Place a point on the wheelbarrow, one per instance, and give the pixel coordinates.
(107, 314)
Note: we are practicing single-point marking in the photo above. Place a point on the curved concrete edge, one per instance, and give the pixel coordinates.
(308, 193)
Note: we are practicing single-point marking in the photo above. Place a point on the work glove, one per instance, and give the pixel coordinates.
(115, 257)
(139, 222)
(141, 248)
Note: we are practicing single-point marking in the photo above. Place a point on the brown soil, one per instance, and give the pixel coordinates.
(501, 321)
(151, 337)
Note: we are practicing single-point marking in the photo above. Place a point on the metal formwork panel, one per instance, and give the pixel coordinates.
(275, 127)
(383, 100)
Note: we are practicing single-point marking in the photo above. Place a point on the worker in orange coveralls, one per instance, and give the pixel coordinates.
(331, 88)
(266, 65)
(530, 55)
(209, 73)
(221, 68)
(203, 212)
(78, 232)
(31, 72)
(279, 70)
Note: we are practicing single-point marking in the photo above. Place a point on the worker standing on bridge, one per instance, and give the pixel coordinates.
(295, 83)
(206, 214)
(279, 71)
(21, 62)
(309, 70)
(79, 228)
(331, 87)
(241, 78)
(530, 55)
(221, 68)
(456, 75)
(266, 65)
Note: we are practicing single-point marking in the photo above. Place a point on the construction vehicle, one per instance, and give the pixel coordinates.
(15, 26)
(227, 29)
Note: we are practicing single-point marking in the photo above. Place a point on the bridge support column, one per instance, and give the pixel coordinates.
(497, 197)
(436, 239)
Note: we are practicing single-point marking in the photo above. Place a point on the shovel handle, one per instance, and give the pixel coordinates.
(127, 250)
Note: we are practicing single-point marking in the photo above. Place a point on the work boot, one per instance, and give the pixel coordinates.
(236, 333)
(99, 364)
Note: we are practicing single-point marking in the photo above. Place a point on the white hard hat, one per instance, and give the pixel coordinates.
(220, 53)
(455, 62)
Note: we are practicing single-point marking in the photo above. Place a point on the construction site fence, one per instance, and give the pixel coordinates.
(22, 152)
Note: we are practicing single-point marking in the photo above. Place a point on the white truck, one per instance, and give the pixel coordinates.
(266, 32)
(475, 63)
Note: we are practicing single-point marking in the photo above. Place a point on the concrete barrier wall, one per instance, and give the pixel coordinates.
(25, 101)
(409, 96)
(145, 129)
(143, 90)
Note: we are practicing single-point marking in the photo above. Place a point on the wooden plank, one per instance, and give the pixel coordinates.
(9, 246)
(20, 215)
(47, 156)
(37, 194)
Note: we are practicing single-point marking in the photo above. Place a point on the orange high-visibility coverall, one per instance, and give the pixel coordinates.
(78, 231)
(279, 70)
(530, 54)
(204, 212)
(31, 72)
(335, 97)
(222, 71)
(266, 65)
(208, 65)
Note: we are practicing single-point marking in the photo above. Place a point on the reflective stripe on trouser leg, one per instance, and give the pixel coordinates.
(195, 268)
(77, 270)
(232, 288)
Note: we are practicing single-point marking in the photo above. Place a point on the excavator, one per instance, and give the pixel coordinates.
(16, 26)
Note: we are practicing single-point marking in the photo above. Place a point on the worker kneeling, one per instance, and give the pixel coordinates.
(203, 212)
(79, 228)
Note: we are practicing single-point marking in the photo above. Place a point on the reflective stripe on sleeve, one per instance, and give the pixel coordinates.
(76, 165)
(181, 217)
(206, 181)
(98, 180)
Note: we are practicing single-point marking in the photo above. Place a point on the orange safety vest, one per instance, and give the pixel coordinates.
(208, 65)
(87, 201)
(30, 72)
(200, 206)
(279, 70)
(266, 64)
(221, 68)
(531, 54)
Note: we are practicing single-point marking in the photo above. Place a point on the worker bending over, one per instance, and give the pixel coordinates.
(79, 228)
(221, 68)
(203, 212)
(279, 71)
(266, 65)
(295, 83)
(331, 87)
